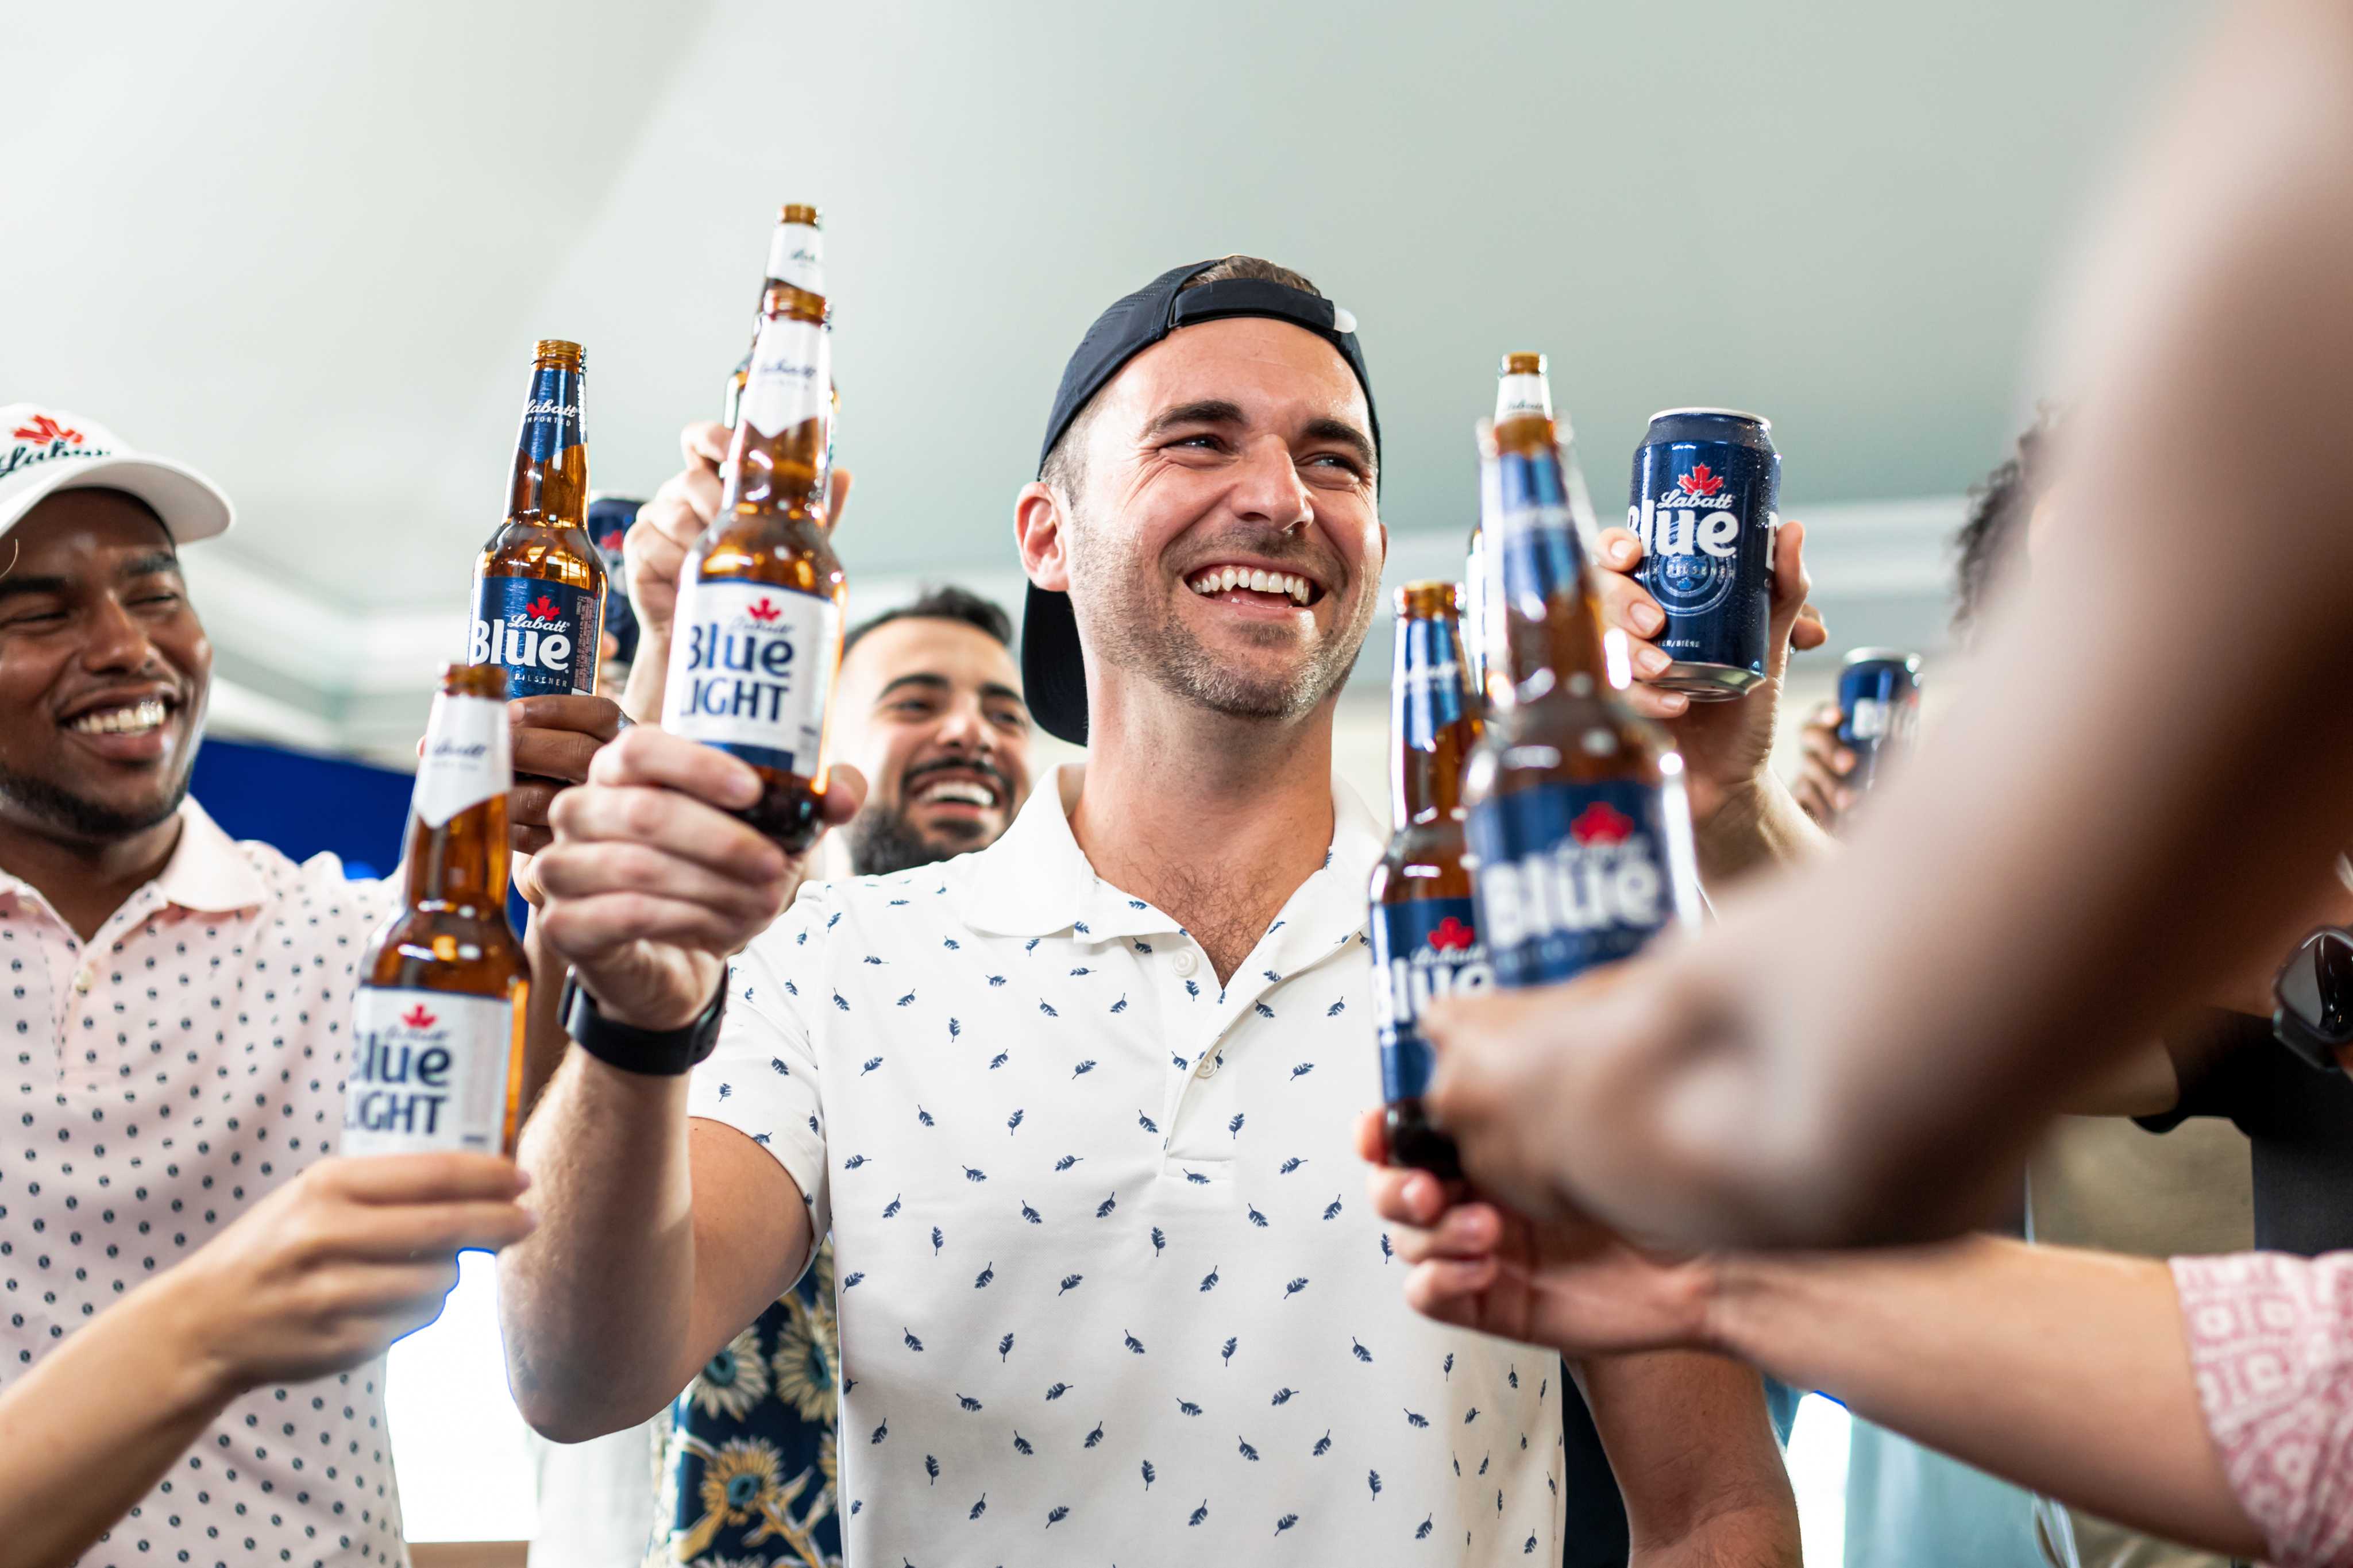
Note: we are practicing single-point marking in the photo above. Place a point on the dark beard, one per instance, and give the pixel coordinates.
(1121, 630)
(882, 841)
(81, 821)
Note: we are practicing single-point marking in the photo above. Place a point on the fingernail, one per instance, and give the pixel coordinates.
(522, 1179)
(1651, 661)
(1845, 761)
(1646, 618)
(1673, 701)
(1621, 552)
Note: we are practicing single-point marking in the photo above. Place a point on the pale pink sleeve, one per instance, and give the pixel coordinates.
(2270, 1341)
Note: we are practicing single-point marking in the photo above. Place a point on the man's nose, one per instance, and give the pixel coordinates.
(1267, 485)
(964, 726)
(115, 639)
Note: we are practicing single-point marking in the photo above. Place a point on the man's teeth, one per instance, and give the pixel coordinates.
(1220, 579)
(958, 789)
(128, 720)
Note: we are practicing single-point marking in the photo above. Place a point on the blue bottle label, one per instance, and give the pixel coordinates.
(1533, 536)
(1421, 950)
(1572, 874)
(551, 414)
(751, 671)
(1705, 511)
(1430, 682)
(543, 634)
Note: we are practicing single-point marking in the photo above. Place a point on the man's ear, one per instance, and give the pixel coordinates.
(1038, 529)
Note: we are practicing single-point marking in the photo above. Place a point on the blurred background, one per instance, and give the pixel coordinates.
(307, 249)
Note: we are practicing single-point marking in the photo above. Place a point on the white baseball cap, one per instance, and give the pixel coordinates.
(45, 450)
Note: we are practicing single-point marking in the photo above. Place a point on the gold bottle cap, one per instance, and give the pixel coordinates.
(558, 348)
(1523, 364)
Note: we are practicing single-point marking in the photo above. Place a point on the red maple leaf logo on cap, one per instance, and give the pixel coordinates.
(44, 428)
(763, 612)
(1601, 823)
(1701, 482)
(1454, 935)
(416, 1017)
(541, 608)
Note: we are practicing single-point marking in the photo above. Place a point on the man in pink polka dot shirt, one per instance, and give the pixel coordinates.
(174, 1007)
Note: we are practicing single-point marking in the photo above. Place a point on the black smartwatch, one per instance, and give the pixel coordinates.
(654, 1053)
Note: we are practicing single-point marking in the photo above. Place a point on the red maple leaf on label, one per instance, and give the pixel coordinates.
(763, 612)
(1701, 482)
(1454, 935)
(44, 428)
(1601, 823)
(416, 1017)
(541, 608)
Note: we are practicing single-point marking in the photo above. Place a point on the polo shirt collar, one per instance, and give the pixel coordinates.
(207, 872)
(1035, 880)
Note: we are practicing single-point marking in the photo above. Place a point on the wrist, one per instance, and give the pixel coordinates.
(641, 698)
(177, 1321)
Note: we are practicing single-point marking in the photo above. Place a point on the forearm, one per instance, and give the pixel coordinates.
(96, 1421)
(596, 1304)
(1756, 829)
(641, 699)
(1692, 1446)
(2066, 1372)
(545, 1042)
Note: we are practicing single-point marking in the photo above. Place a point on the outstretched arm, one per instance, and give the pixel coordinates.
(1692, 1446)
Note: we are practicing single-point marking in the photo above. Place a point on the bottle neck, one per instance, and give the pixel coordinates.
(457, 850)
(784, 418)
(549, 483)
(1431, 725)
(1545, 629)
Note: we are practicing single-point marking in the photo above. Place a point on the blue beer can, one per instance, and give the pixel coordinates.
(1705, 502)
(1879, 709)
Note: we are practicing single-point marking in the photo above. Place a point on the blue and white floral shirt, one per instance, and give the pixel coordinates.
(1108, 1288)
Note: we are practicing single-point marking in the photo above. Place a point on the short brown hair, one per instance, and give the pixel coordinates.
(1064, 468)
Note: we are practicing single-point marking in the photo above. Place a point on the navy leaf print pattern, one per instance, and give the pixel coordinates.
(1197, 1179)
(1057, 1516)
(1373, 1480)
(1445, 1369)
(1191, 989)
(1469, 1416)
(1120, 1005)
(979, 1507)
(1289, 1165)
(1323, 1447)
(1047, 1008)
(1095, 1437)
(1133, 1343)
(839, 1003)
(1235, 1126)
(1199, 1513)
(1066, 1162)
(1256, 1218)
(1388, 1252)
(1302, 1070)
(851, 1283)
(853, 1163)
(1147, 1123)
(1021, 1446)
(1247, 1451)
(1412, 1419)
(1210, 1280)
(1188, 1408)
(1530, 1544)
(1336, 1008)
(1285, 1523)
(1284, 1396)
(1295, 1287)
(910, 996)
(912, 1342)
(1013, 1124)
(1180, 1063)
(1069, 1283)
(1000, 1059)
(1226, 1354)
(1513, 1376)
(973, 1173)
(932, 1469)
(955, 1028)
(891, 1209)
(1084, 1068)
(1159, 1241)
(1423, 1534)
(1057, 1392)
(1102, 1209)
(880, 1433)
(1004, 1347)
(1331, 1209)
(778, 1062)
(1031, 1214)
(1148, 1477)
(985, 1275)
(967, 1401)
(937, 1239)
(924, 1117)
(1263, 1010)
(1359, 1351)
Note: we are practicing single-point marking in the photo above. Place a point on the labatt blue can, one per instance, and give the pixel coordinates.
(1879, 709)
(1704, 503)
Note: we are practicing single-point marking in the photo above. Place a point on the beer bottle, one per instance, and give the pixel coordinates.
(1521, 388)
(1425, 933)
(1578, 830)
(437, 1023)
(795, 257)
(539, 583)
(759, 609)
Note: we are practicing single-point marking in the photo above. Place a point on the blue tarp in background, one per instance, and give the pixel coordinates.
(303, 802)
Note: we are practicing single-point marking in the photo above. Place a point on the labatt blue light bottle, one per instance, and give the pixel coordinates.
(758, 631)
(539, 583)
(1423, 929)
(1580, 834)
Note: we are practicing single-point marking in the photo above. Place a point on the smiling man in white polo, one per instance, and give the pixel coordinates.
(1078, 1108)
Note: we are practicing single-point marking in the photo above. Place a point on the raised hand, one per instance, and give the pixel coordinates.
(649, 884)
(1823, 766)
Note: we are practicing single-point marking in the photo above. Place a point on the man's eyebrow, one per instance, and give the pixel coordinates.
(1205, 411)
(19, 587)
(926, 679)
(999, 691)
(1346, 434)
(150, 564)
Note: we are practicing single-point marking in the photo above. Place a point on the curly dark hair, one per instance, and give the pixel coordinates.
(1998, 508)
(943, 604)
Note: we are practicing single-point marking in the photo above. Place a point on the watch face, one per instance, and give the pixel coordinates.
(2315, 992)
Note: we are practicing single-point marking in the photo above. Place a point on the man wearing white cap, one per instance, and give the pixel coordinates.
(172, 1028)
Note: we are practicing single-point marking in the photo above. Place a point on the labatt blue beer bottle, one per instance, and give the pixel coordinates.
(1424, 930)
(539, 583)
(758, 631)
(1579, 835)
(437, 1022)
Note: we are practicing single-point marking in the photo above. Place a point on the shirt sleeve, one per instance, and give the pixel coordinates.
(762, 1079)
(2271, 1343)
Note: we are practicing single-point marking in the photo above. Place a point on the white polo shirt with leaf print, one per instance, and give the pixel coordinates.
(1109, 1289)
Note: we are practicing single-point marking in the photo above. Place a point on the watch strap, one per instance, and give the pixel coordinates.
(652, 1053)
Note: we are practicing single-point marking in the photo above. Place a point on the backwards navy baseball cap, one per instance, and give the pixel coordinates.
(1053, 667)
